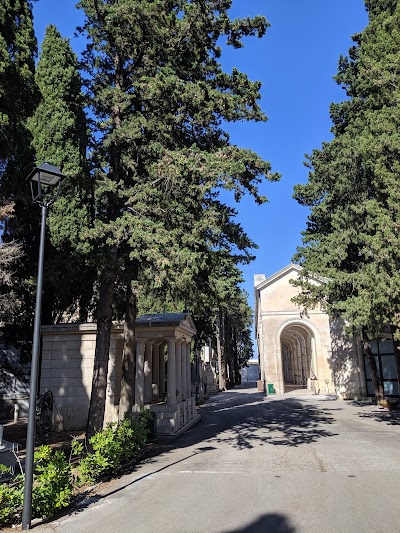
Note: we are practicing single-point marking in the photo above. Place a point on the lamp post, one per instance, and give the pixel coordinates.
(45, 185)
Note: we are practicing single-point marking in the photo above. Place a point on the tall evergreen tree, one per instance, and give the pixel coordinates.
(18, 49)
(60, 136)
(18, 97)
(10, 253)
(160, 95)
(218, 306)
(352, 236)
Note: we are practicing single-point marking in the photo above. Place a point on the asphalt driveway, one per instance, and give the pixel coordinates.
(295, 463)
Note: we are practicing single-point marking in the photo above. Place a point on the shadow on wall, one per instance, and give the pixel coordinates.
(67, 370)
(268, 523)
(344, 363)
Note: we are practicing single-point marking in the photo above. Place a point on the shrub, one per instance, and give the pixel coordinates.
(11, 497)
(52, 487)
(52, 481)
(51, 491)
(116, 445)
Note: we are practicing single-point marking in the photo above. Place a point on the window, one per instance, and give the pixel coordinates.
(383, 351)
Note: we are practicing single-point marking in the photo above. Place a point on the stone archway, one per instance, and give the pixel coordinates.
(297, 356)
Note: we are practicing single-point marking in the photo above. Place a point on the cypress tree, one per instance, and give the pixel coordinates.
(18, 97)
(352, 235)
(60, 136)
(18, 50)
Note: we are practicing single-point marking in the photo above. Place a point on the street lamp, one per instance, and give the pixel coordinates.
(45, 186)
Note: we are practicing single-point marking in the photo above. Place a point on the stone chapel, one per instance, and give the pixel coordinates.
(313, 351)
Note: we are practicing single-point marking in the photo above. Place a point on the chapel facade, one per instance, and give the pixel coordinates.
(312, 352)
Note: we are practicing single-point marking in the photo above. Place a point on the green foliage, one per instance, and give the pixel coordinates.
(52, 488)
(60, 136)
(352, 237)
(17, 87)
(352, 240)
(53, 481)
(116, 445)
(18, 97)
(76, 448)
(4, 469)
(159, 95)
(51, 492)
(11, 498)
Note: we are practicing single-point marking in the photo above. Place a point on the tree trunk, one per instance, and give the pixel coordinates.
(99, 382)
(236, 370)
(396, 345)
(228, 353)
(127, 397)
(221, 352)
(379, 394)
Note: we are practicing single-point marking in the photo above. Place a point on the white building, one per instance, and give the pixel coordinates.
(312, 352)
(163, 371)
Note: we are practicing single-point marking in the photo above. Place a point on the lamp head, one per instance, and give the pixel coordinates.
(45, 183)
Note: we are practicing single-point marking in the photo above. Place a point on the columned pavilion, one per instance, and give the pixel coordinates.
(162, 377)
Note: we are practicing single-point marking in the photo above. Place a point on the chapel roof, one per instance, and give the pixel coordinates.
(161, 319)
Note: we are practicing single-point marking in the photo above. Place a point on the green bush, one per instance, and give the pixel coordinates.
(52, 481)
(11, 497)
(116, 445)
(51, 490)
(52, 487)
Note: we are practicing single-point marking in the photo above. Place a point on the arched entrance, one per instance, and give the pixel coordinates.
(297, 346)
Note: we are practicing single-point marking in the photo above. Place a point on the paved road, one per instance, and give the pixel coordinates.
(285, 464)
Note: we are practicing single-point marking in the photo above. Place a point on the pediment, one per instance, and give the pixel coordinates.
(288, 272)
(188, 323)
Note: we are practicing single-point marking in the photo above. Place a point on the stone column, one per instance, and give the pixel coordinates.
(183, 370)
(139, 377)
(161, 390)
(179, 369)
(171, 373)
(148, 363)
(188, 371)
(156, 371)
(295, 365)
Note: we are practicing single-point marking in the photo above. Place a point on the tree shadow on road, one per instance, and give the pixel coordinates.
(241, 420)
(381, 415)
(248, 420)
(268, 523)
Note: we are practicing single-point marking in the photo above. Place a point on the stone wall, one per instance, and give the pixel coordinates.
(67, 370)
(250, 373)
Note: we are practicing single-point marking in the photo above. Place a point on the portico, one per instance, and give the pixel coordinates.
(163, 372)
(162, 375)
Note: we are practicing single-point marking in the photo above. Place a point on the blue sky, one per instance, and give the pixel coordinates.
(295, 61)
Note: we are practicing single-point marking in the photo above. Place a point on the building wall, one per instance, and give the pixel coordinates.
(67, 370)
(250, 373)
(335, 361)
